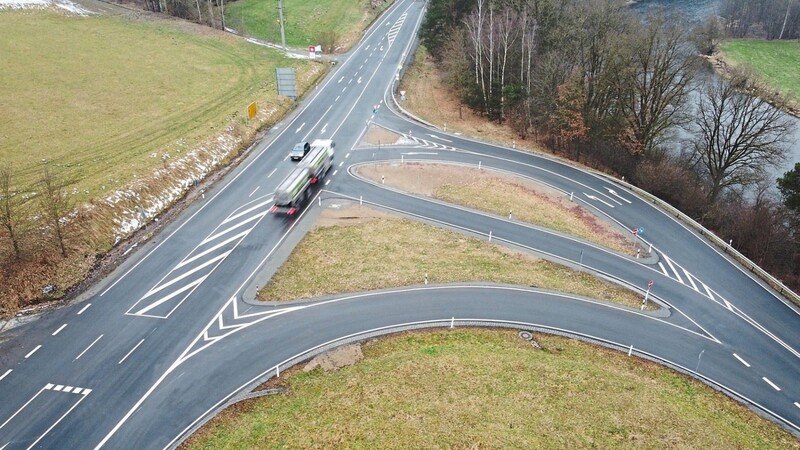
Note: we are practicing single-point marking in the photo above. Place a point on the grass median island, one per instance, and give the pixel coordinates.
(499, 194)
(385, 252)
(775, 61)
(490, 389)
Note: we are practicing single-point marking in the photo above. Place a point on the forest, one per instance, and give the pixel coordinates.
(635, 97)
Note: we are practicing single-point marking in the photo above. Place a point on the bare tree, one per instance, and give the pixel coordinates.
(653, 90)
(738, 134)
(10, 208)
(55, 204)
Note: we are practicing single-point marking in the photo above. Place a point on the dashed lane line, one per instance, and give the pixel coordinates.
(774, 386)
(87, 348)
(741, 360)
(59, 330)
(129, 353)
(6, 374)
(795, 403)
(33, 351)
(84, 308)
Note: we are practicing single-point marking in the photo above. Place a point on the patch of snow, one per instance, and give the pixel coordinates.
(34, 4)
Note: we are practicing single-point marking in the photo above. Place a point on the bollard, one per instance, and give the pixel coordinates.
(570, 196)
(509, 214)
(277, 371)
(319, 201)
(452, 322)
(426, 279)
(638, 251)
(402, 158)
(479, 165)
(514, 143)
(650, 249)
(360, 200)
(383, 178)
(630, 350)
(490, 236)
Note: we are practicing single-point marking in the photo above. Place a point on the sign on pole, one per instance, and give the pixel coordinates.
(312, 52)
(649, 284)
(252, 110)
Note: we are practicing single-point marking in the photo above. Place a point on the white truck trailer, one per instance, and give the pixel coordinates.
(295, 188)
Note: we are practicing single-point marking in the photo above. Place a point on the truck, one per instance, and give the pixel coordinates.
(295, 188)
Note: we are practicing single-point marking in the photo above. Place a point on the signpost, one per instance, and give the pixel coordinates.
(312, 52)
(647, 294)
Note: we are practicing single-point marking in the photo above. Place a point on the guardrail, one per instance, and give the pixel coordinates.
(771, 281)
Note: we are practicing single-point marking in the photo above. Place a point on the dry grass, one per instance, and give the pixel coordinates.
(527, 201)
(384, 253)
(490, 389)
(428, 98)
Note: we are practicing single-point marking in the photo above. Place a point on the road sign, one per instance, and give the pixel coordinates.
(641, 230)
(312, 51)
(635, 231)
(649, 284)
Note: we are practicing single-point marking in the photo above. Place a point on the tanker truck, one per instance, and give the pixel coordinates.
(295, 188)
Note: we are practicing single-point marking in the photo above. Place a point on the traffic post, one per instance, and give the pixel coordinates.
(647, 294)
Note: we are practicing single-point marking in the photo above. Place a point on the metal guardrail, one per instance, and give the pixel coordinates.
(771, 281)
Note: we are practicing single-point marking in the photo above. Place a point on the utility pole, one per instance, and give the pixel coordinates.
(280, 17)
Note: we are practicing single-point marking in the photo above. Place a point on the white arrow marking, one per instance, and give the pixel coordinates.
(614, 193)
(592, 197)
(301, 127)
(324, 128)
(437, 137)
(340, 79)
(359, 80)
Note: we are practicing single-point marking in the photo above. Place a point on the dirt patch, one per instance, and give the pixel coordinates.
(346, 213)
(376, 135)
(336, 358)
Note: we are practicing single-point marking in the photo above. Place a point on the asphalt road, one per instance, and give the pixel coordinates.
(166, 339)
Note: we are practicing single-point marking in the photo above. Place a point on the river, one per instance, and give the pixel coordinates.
(696, 11)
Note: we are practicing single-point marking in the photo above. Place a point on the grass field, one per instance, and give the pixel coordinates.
(304, 20)
(776, 61)
(385, 253)
(490, 389)
(103, 110)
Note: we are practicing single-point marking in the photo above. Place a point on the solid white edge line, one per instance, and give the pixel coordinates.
(271, 173)
(6, 374)
(797, 404)
(57, 331)
(129, 353)
(774, 386)
(56, 423)
(33, 351)
(741, 360)
(26, 404)
(87, 348)
(84, 308)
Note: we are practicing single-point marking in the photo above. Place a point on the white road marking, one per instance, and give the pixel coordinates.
(345, 88)
(592, 197)
(340, 163)
(334, 172)
(419, 153)
(5, 374)
(84, 308)
(300, 127)
(669, 263)
(359, 80)
(67, 389)
(362, 66)
(248, 210)
(708, 291)
(162, 300)
(367, 47)
(774, 386)
(689, 277)
(325, 127)
(286, 157)
(271, 173)
(87, 349)
(741, 360)
(221, 244)
(85, 393)
(347, 156)
(440, 138)
(58, 388)
(340, 79)
(58, 330)
(663, 269)
(337, 98)
(327, 182)
(129, 353)
(254, 191)
(614, 193)
(797, 404)
(233, 227)
(161, 287)
(32, 351)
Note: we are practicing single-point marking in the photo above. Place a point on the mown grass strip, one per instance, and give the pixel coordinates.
(776, 62)
(385, 253)
(490, 389)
